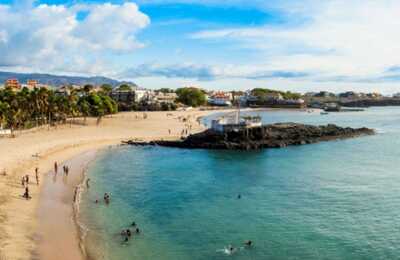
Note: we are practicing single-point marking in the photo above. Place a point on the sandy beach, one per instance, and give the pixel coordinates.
(42, 147)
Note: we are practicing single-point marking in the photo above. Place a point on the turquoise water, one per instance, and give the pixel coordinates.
(332, 200)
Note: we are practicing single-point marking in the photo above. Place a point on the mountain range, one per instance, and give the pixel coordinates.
(60, 80)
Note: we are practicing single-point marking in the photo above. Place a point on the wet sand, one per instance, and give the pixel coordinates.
(58, 235)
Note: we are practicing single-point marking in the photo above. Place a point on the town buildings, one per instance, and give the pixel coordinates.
(220, 98)
(13, 84)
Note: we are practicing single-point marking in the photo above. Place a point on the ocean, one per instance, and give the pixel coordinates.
(330, 200)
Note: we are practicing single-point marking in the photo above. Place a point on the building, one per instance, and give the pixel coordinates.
(224, 124)
(12, 83)
(123, 95)
(63, 91)
(220, 98)
(162, 97)
(143, 95)
(32, 83)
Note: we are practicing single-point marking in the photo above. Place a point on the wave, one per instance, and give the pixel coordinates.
(81, 228)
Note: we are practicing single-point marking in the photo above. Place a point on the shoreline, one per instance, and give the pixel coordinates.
(58, 211)
(41, 148)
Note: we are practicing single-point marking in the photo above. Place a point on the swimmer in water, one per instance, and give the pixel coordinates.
(239, 196)
(133, 224)
(248, 243)
(128, 233)
(137, 230)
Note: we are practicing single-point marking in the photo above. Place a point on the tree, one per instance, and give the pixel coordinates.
(191, 96)
(124, 87)
(106, 89)
(27, 108)
(88, 88)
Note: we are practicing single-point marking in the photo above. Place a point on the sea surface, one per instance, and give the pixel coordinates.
(331, 200)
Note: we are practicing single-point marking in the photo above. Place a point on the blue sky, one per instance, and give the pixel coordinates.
(297, 45)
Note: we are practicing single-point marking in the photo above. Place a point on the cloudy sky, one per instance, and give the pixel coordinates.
(232, 44)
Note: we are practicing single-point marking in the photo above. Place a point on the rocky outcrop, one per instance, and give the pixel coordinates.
(268, 136)
(372, 102)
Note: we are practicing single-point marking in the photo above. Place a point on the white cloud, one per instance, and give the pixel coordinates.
(52, 38)
(347, 38)
(207, 72)
(112, 26)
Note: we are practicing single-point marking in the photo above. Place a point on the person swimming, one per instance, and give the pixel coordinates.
(106, 198)
(126, 239)
(133, 224)
(137, 230)
(239, 196)
(128, 233)
(248, 243)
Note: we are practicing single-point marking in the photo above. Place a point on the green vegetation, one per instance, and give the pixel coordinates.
(263, 92)
(29, 108)
(191, 96)
(125, 87)
(106, 89)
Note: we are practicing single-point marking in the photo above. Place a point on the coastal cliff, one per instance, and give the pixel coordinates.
(268, 136)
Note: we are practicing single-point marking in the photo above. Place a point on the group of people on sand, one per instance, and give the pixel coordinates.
(25, 183)
(127, 233)
(144, 116)
(65, 169)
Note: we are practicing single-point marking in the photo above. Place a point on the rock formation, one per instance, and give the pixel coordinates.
(268, 136)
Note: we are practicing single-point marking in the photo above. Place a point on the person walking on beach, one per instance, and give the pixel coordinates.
(37, 176)
(55, 167)
(27, 179)
(66, 170)
(26, 194)
(23, 181)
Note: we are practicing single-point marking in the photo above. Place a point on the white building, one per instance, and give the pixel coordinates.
(143, 95)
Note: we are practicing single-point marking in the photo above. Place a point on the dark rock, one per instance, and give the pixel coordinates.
(268, 136)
